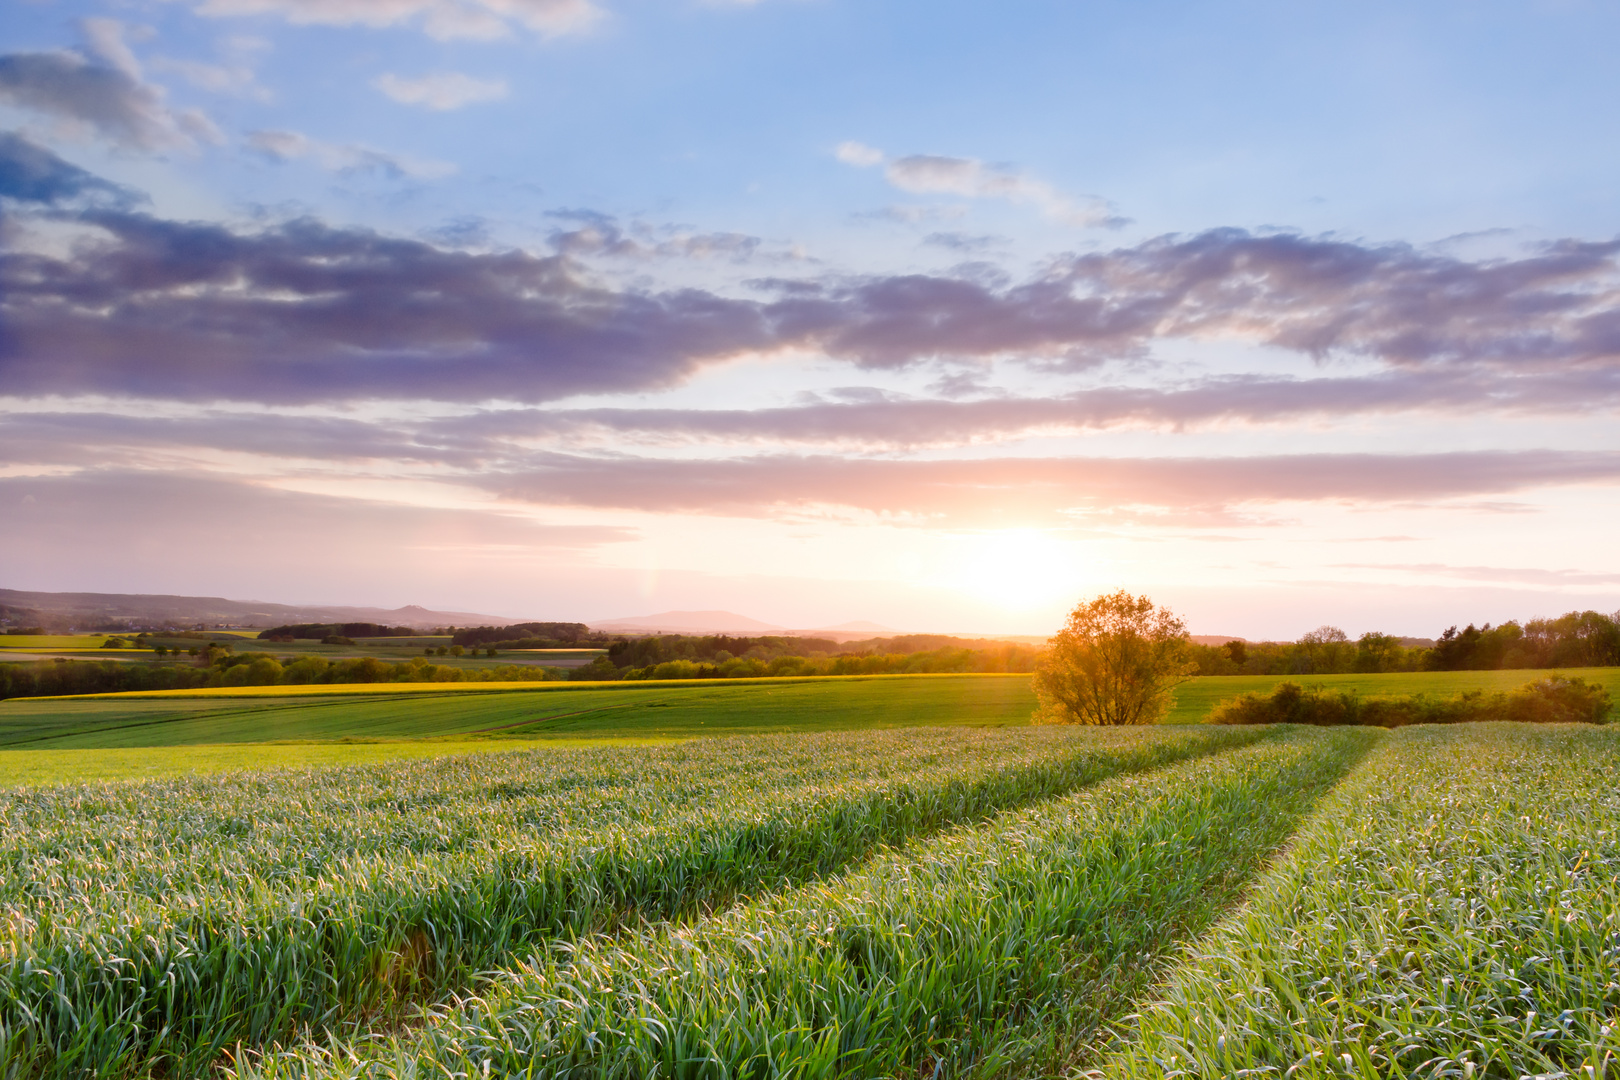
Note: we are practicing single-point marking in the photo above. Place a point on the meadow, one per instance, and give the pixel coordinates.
(880, 876)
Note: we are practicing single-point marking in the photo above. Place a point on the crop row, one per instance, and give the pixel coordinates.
(948, 952)
(148, 926)
(1453, 911)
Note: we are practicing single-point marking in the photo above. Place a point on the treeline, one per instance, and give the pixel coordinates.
(718, 656)
(1577, 639)
(318, 631)
(559, 635)
(47, 678)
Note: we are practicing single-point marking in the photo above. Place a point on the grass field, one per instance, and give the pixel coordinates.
(1454, 910)
(242, 909)
(967, 901)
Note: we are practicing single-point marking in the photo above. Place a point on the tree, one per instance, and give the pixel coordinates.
(1377, 652)
(1116, 661)
(1326, 649)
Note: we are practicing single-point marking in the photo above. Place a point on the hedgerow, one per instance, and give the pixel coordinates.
(1555, 699)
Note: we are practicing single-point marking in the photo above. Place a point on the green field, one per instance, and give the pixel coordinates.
(176, 732)
(36, 767)
(616, 710)
(243, 907)
(1170, 901)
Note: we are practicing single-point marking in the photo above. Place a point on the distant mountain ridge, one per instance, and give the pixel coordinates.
(85, 610)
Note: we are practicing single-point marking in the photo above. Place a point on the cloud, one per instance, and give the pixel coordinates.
(596, 234)
(102, 93)
(912, 214)
(858, 154)
(294, 146)
(963, 242)
(237, 79)
(308, 312)
(203, 528)
(105, 39)
(1498, 574)
(860, 419)
(932, 174)
(493, 452)
(441, 92)
(441, 19)
(1391, 302)
(100, 439)
(877, 421)
(1037, 488)
(31, 173)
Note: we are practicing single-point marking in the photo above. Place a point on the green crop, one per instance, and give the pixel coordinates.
(924, 960)
(148, 926)
(1453, 911)
(569, 710)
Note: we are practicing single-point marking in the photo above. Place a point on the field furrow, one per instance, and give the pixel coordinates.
(983, 947)
(1451, 911)
(150, 925)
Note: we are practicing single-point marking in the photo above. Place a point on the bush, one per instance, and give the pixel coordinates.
(1557, 699)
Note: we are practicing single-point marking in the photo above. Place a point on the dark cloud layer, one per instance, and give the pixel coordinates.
(30, 173)
(305, 312)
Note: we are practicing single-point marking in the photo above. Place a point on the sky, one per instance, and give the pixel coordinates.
(940, 315)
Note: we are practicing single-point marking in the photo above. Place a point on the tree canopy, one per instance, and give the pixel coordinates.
(1116, 661)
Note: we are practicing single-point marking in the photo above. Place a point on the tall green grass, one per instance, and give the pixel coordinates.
(1452, 911)
(924, 961)
(148, 926)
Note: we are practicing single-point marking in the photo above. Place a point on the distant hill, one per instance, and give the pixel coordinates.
(58, 611)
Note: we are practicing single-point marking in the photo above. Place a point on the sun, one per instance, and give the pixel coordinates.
(1017, 569)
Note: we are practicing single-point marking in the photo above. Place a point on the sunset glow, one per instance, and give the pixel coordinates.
(587, 310)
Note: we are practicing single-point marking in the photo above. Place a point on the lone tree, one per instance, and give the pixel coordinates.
(1115, 662)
